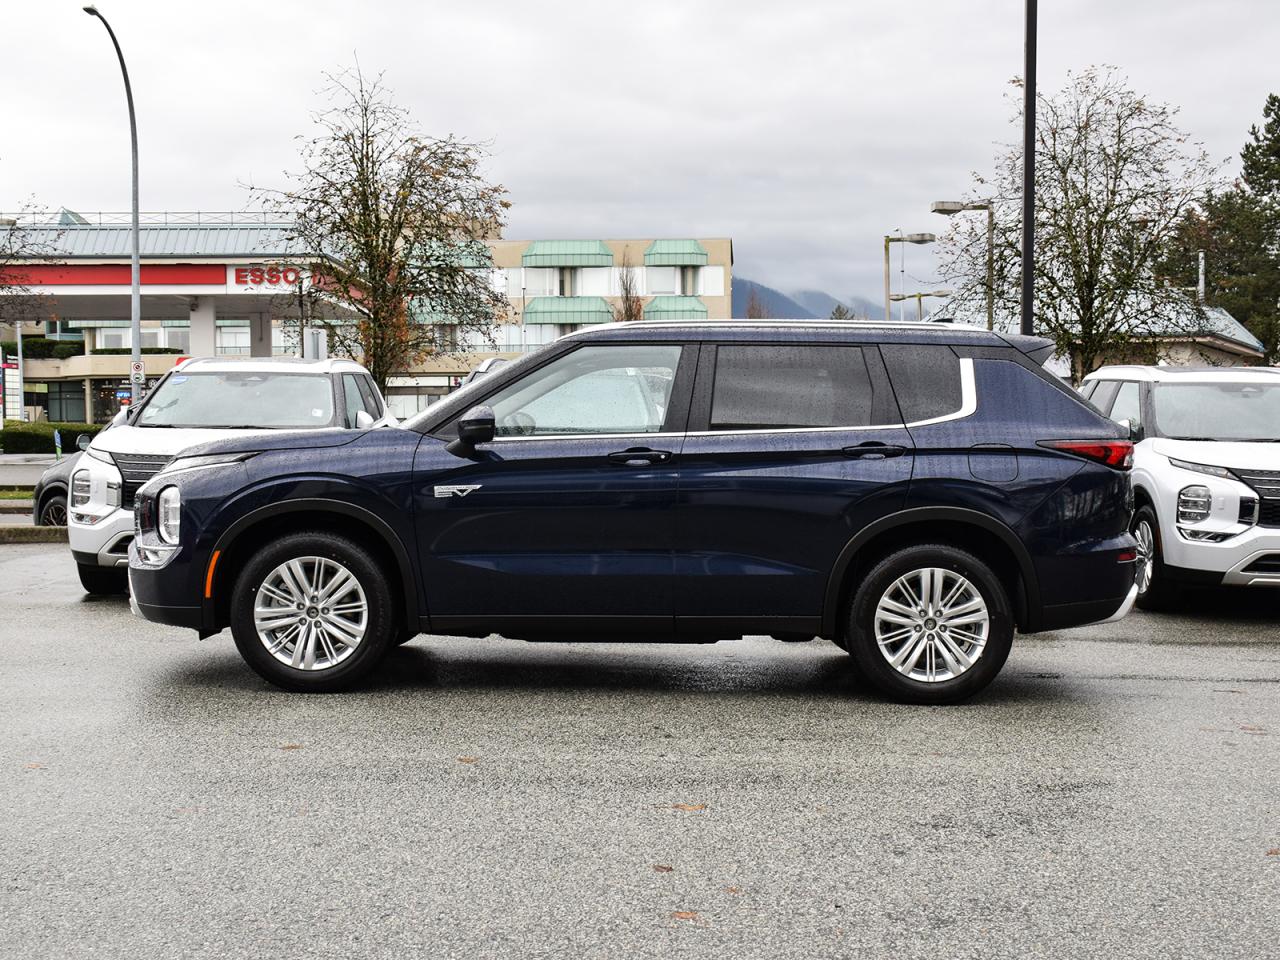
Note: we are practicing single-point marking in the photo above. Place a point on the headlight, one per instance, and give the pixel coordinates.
(210, 460)
(80, 488)
(1201, 468)
(169, 514)
(1193, 504)
(99, 455)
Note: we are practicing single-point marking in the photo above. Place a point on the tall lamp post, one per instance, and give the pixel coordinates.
(906, 238)
(135, 292)
(1029, 172)
(919, 299)
(950, 208)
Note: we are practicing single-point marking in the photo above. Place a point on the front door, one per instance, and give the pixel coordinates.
(792, 449)
(564, 522)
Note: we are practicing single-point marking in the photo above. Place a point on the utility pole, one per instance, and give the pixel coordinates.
(1029, 174)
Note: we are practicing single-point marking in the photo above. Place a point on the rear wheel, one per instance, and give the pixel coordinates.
(103, 581)
(312, 612)
(1149, 572)
(930, 624)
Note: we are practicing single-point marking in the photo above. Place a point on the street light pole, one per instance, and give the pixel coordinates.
(906, 238)
(1029, 174)
(950, 208)
(135, 292)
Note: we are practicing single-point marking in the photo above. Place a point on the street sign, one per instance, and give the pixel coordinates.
(137, 372)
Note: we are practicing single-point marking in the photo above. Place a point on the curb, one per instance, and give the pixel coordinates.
(33, 534)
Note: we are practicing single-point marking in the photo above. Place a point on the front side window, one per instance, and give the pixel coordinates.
(781, 387)
(240, 400)
(1127, 404)
(622, 389)
(1217, 411)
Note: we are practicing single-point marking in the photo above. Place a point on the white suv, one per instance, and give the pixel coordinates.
(197, 401)
(1206, 472)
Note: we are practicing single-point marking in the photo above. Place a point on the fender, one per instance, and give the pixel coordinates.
(1031, 583)
(325, 505)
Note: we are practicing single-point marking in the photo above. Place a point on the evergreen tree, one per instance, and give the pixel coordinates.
(1261, 155)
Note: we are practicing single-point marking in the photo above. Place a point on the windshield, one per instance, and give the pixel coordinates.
(1218, 411)
(279, 401)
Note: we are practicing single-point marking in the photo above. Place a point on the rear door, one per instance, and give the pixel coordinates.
(792, 449)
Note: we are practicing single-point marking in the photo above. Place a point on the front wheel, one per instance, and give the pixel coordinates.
(312, 612)
(1149, 573)
(930, 624)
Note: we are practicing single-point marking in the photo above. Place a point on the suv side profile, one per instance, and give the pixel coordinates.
(915, 493)
(1206, 473)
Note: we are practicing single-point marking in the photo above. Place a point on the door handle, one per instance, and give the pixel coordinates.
(874, 450)
(638, 456)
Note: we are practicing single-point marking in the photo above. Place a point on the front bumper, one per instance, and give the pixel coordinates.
(105, 543)
(1228, 562)
(147, 599)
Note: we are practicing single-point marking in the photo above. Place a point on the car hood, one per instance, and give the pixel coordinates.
(168, 442)
(1231, 454)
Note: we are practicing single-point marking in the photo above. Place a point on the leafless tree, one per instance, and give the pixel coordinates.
(630, 305)
(756, 310)
(395, 223)
(1114, 176)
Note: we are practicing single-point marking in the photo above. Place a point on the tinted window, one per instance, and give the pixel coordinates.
(1127, 406)
(773, 387)
(622, 389)
(926, 379)
(1087, 388)
(370, 396)
(1104, 394)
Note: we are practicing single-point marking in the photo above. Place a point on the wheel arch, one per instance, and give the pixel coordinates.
(337, 516)
(988, 538)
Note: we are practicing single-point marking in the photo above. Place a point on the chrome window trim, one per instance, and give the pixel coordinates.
(968, 407)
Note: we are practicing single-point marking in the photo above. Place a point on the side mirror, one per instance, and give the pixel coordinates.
(83, 441)
(476, 426)
(1135, 429)
(363, 420)
(122, 416)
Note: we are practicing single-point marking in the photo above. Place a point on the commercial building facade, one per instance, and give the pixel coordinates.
(230, 284)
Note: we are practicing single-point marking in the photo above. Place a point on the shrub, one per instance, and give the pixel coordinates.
(18, 437)
(42, 348)
(126, 351)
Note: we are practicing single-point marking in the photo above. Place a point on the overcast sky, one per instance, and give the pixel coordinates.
(804, 130)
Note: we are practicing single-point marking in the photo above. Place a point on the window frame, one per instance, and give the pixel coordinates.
(884, 406)
(674, 424)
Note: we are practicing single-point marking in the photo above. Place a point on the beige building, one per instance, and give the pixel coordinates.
(225, 284)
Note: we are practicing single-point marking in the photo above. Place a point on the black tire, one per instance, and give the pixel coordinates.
(1159, 593)
(53, 512)
(381, 630)
(103, 581)
(860, 639)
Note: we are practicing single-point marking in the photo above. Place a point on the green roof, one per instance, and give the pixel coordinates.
(675, 253)
(675, 308)
(568, 310)
(568, 253)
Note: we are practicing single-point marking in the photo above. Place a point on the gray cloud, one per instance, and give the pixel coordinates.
(805, 130)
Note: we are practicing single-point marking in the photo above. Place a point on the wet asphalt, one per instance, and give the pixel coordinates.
(1116, 793)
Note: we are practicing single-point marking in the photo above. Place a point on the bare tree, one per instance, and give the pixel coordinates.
(1114, 176)
(396, 225)
(756, 310)
(630, 305)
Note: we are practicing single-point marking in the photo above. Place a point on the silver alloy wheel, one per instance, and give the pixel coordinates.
(1145, 571)
(932, 624)
(311, 613)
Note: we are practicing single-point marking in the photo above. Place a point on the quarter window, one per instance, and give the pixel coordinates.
(926, 379)
(622, 389)
(780, 387)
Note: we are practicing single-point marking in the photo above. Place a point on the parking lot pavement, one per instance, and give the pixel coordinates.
(1114, 793)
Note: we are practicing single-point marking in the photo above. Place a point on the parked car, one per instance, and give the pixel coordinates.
(198, 401)
(49, 498)
(1206, 472)
(914, 492)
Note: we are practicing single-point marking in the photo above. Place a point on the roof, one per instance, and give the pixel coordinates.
(567, 310)
(675, 308)
(1158, 374)
(1216, 322)
(800, 331)
(270, 365)
(186, 241)
(675, 253)
(567, 253)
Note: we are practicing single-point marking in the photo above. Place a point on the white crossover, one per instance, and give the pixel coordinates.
(201, 400)
(1206, 472)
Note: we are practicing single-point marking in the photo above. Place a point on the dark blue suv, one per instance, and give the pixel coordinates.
(915, 493)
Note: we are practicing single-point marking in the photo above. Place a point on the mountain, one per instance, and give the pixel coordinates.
(776, 303)
(820, 304)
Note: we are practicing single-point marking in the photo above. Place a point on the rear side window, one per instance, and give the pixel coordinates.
(926, 379)
(780, 387)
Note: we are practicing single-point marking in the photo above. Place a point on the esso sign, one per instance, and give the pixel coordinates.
(263, 278)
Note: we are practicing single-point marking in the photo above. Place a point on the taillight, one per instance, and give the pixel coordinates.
(1112, 453)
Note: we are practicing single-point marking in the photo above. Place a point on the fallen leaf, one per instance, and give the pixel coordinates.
(662, 868)
(35, 766)
(291, 746)
(1250, 728)
(468, 759)
(1228, 691)
(689, 806)
(732, 889)
(1274, 852)
(685, 914)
